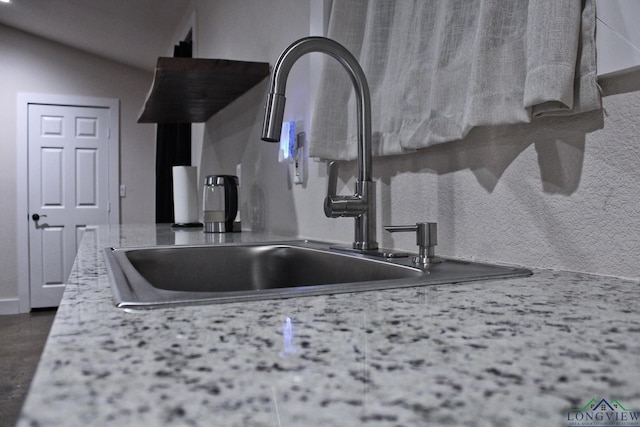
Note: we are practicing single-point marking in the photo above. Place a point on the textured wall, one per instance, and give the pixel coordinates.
(559, 194)
(545, 195)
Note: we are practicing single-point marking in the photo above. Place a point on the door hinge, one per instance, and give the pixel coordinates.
(108, 207)
(108, 133)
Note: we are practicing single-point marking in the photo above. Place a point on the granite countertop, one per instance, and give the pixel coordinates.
(494, 353)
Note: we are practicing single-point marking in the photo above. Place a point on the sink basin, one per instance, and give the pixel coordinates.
(169, 275)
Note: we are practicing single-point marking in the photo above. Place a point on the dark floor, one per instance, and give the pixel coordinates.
(22, 337)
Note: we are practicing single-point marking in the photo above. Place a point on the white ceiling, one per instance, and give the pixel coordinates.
(134, 32)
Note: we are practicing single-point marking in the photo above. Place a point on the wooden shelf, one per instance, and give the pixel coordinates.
(190, 90)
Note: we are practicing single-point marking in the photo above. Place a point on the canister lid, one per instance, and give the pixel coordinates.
(219, 179)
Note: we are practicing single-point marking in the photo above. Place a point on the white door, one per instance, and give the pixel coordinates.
(68, 165)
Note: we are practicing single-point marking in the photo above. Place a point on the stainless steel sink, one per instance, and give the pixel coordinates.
(169, 275)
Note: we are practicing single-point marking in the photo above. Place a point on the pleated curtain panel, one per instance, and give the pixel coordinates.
(438, 68)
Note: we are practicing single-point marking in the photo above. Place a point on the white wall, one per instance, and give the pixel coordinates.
(257, 31)
(560, 194)
(617, 36)
(32, 64)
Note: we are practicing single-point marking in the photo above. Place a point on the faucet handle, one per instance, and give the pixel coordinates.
(426, 239)
(332, 184)
(336, 206)
(332, 189)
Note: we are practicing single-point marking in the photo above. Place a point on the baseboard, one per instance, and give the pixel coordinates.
(9, 306)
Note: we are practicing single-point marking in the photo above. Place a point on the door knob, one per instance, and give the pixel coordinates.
(36, 217)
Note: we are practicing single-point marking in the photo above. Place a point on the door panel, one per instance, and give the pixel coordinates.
(86, 177)
(51, 166)
(53, 252)
(68, 189)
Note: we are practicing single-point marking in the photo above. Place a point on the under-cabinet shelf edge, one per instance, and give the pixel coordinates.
(191, 90)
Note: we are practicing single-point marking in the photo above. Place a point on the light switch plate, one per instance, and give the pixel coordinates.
(298, 160)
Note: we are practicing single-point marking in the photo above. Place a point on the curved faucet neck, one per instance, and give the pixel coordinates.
(275, 104)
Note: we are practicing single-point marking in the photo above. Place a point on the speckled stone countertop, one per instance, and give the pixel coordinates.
(514, 352)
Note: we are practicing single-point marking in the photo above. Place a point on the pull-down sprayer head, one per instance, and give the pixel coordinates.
(274, 110)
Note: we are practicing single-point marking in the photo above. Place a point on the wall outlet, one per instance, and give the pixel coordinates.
(123, 190)
(286, 153)
(299, 159)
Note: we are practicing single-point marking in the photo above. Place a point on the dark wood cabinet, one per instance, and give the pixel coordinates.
(191, 90)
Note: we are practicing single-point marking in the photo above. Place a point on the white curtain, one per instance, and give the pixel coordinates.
(437, 68)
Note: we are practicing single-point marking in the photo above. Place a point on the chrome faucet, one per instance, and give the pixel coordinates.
(361, 205)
